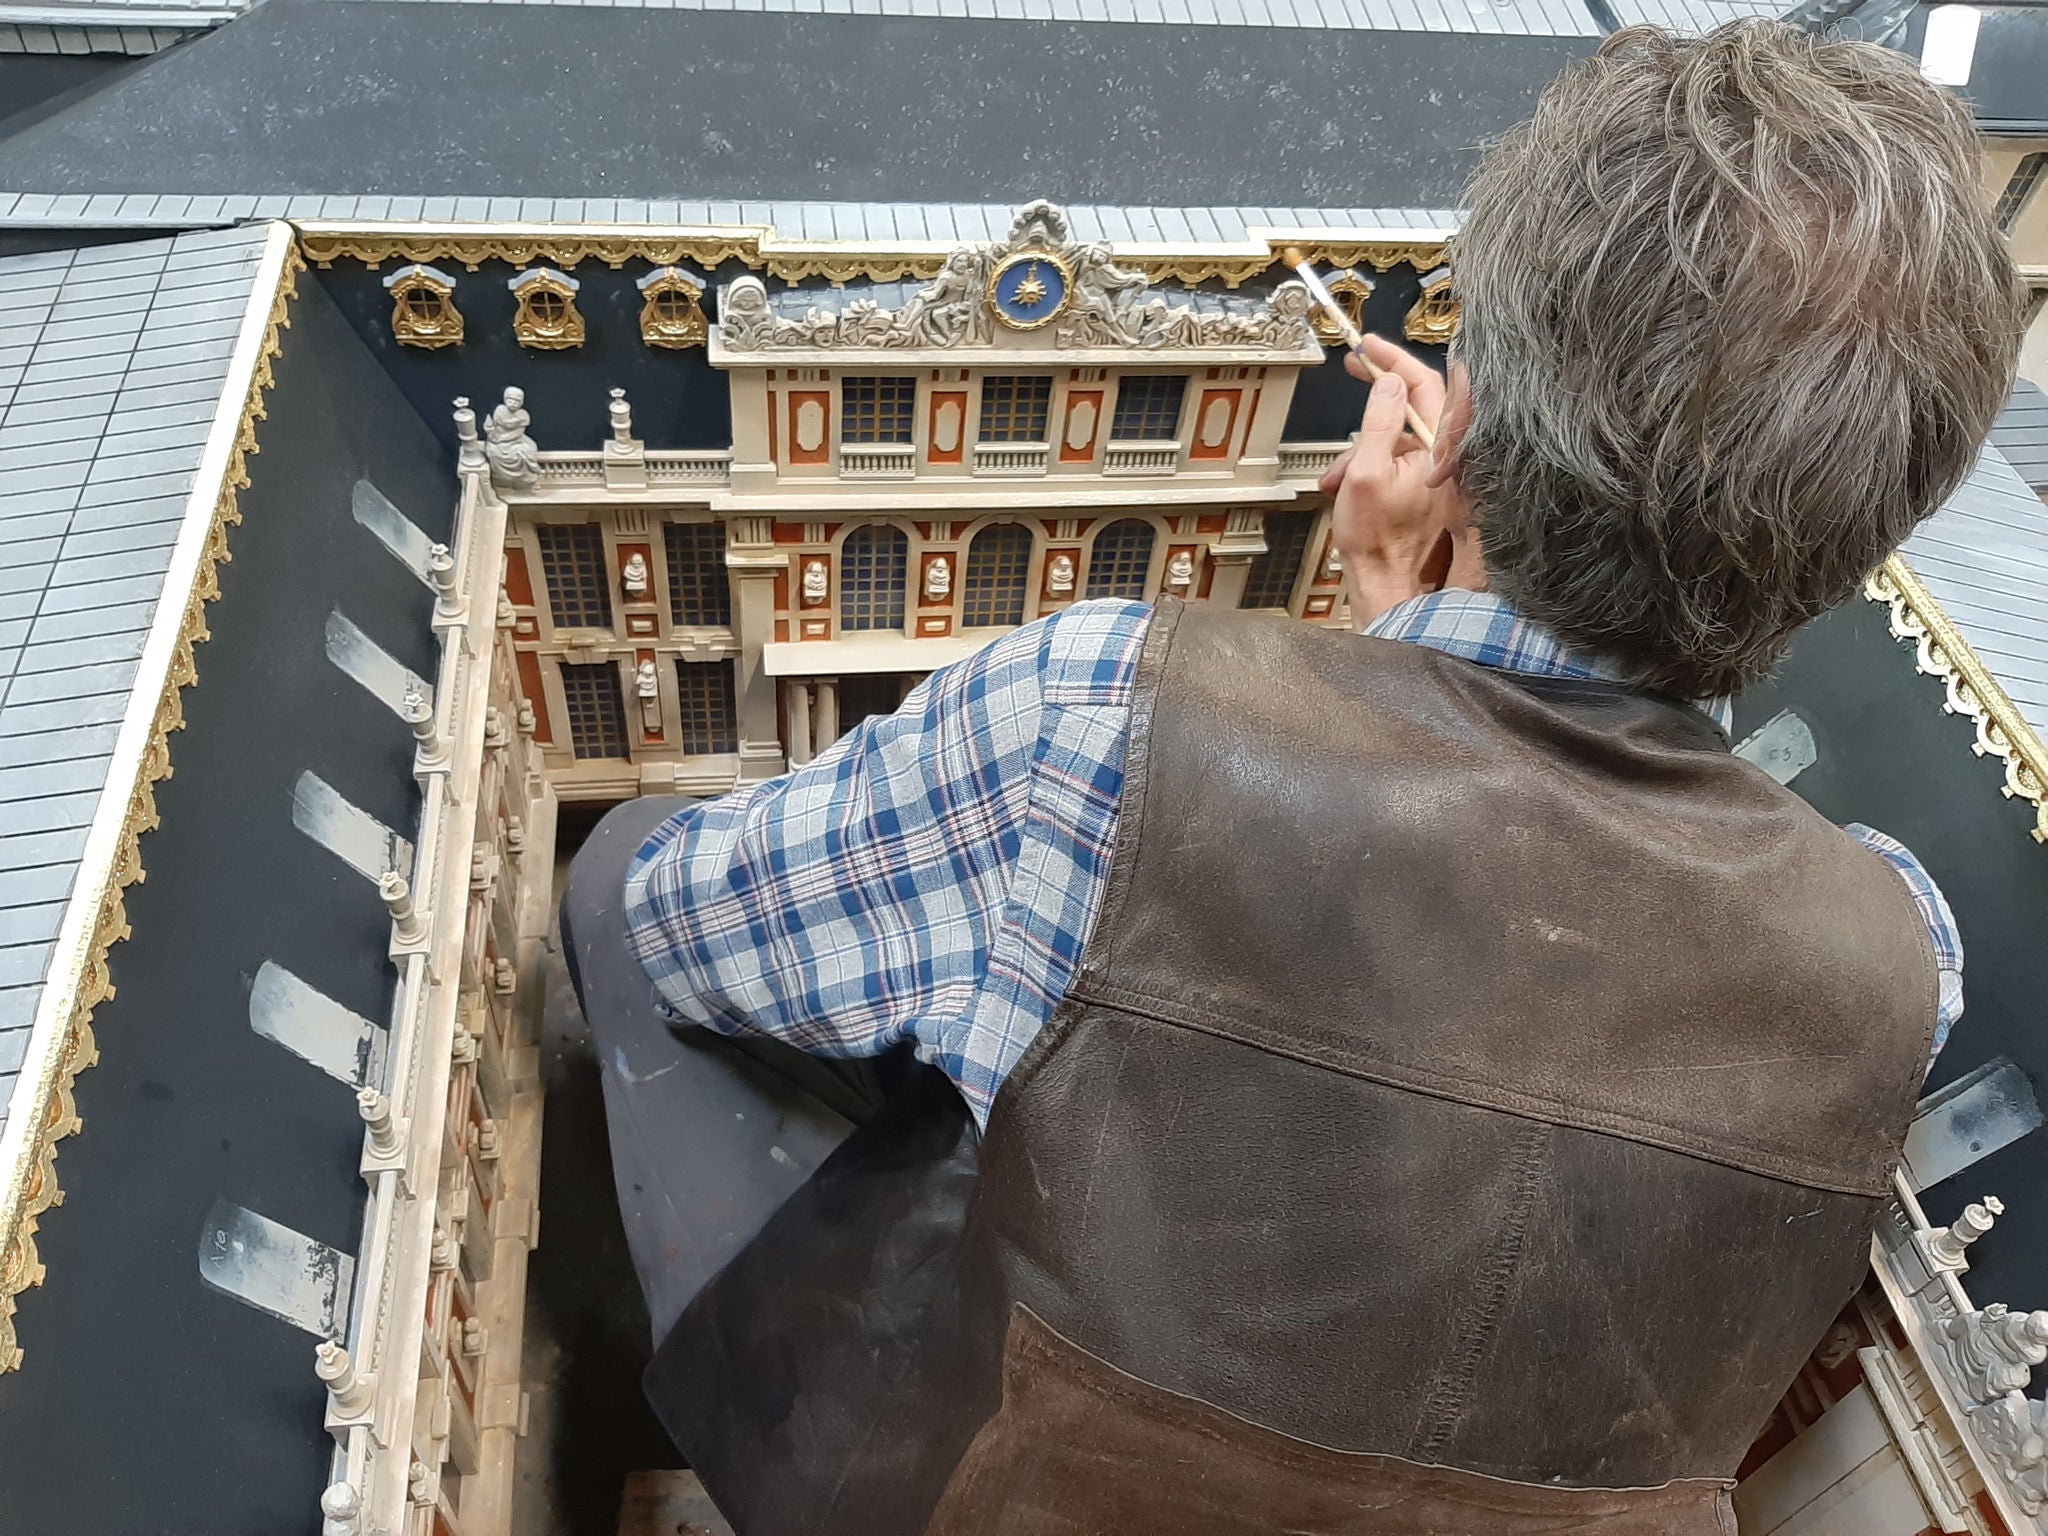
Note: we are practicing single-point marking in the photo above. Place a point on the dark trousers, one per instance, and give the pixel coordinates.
(709, 1136)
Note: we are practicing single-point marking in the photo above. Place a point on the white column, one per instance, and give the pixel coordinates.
(825, 729)
(796, 712)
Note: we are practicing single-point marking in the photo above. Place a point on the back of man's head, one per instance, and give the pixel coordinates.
(1736, 317)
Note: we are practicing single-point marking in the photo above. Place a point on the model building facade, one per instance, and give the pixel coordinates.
(379, 468)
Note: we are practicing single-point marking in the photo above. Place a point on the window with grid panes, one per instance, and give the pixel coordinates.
(1270, 583)
(2025, 177)
(876, 410)
(1148, 407)
(597, 709)
(998, 568)
(1121, 557)
(572, 564)
(1014, 407)
(704, 694)
(699, 590)
(874, 564)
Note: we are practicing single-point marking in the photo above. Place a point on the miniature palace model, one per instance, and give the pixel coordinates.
(348, 543)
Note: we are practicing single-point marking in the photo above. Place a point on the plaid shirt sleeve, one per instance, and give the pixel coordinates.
(933, 876)
(1941, 924)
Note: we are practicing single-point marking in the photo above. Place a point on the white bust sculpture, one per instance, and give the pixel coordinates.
(1180, 570)
(1059, 576)
(1334, 565)
(938, 579)
(815, 581)
(635, 575)
(644, 682)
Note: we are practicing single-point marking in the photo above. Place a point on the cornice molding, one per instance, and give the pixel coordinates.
(759, 249)
(1972, 691)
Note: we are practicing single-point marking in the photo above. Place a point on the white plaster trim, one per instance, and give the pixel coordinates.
(870, 652)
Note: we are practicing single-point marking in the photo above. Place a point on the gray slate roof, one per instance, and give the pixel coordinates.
(112, 362)
(2021, 434)
(1984, 557)
(942, 224)
(1537, 18)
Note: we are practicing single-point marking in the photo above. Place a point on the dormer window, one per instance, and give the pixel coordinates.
(671, 311)
(1434, 318)
(547, 317)
(1148, 407)
(423, 312)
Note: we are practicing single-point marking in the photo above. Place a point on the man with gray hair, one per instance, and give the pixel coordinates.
(1416, 1082)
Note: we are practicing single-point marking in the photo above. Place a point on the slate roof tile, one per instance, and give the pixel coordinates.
(112, 360)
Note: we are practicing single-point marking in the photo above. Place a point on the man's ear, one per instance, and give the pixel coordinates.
(1451, 425)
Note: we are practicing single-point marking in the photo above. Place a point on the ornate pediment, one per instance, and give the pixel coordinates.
(1039, 286)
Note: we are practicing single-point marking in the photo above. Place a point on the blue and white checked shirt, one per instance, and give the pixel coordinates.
(935, 875)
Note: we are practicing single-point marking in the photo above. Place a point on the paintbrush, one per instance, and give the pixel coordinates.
(1297, 258)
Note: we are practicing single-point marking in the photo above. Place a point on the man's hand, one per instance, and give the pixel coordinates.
(1398, 519)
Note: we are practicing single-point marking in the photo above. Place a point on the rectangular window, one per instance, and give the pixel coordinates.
(597, 709)
(876, 410)
(2025, 177)
(579, 586)
(1148, 407)
(1014, 407)
(1270, 583)
(699, 591)
(704, 692)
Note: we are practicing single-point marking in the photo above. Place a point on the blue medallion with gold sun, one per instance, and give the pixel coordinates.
(1029, 289)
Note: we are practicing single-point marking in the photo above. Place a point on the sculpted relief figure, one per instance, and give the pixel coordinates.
(1059, 576)
(514, 457)
(1995, 1351)
(947, 310)
(1104, 310)
(743, 317)
(1292, 307)
(815, 581)
(938, 579)
(1107, 305)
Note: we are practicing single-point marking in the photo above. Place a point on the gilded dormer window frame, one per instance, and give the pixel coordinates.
(1433, 318)
(1350, 289)
(691, 328)
(534, 323)
(417, 324)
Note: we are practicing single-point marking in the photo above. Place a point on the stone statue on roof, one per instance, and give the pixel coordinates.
(514, 456)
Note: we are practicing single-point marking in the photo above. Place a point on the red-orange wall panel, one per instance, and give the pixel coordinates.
(518, 585)
(529, 684)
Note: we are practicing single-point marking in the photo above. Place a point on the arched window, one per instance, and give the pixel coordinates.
(1270, 583)
(1121, 557)
(998, 568)
(874, 564)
